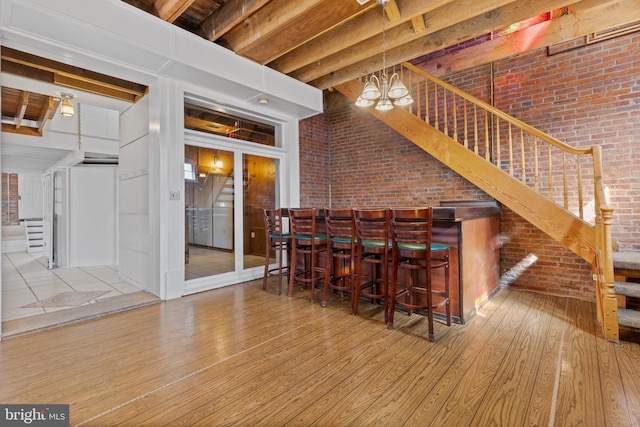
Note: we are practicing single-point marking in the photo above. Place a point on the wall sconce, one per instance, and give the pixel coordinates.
(66, 107)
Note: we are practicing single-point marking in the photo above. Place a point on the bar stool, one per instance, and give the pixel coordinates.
(306, 245)
(340, 250)
(278, 242)
(411, 236)
(373, 247)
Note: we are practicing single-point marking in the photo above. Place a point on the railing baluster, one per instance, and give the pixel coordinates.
(417, 99)
(436, 119)
(475, 129)
(524, 166)
(446, 113)
(455, 118)
(564, 181)
(580, 200)
(498, 153)
(486, 136)
(535, 165)
(466, 137)
(510, 151)
(426, 102)
(550, 174)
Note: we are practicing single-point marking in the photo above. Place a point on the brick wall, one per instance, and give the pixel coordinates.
(314, 162)
(585, 96)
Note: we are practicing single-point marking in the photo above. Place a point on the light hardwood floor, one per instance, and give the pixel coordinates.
(243, 356)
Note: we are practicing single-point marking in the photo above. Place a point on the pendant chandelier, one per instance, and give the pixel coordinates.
(388, 91)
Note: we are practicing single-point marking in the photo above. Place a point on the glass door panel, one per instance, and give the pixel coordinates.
(258, 193)
(209, 207)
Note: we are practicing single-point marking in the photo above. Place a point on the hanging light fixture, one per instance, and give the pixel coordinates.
(388, 91)
(66, 106)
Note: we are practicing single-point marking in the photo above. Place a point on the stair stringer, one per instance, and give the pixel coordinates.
(558, 223)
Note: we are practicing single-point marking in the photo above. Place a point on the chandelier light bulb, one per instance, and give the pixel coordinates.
(66, 106)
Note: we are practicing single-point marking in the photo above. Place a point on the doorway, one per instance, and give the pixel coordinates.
(224, 228)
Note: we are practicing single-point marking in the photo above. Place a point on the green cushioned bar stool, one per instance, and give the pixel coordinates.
(372, 257)
(416, 256)
(340, 249)
(306, 245)
(278, 243)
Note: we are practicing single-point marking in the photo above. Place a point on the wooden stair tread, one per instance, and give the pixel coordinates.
(629, 318)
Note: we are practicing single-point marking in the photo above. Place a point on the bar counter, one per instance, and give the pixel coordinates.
(471, 228)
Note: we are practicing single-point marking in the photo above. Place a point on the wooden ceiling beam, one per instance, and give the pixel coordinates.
(349, 33)
(392, 11)
(47, 112)
(586, 17)
(228, 16)
(283, 25)
(446, 37)
(89, 86)
(22, 108)
(439, 19)
(418, 24)
(22, 130)
(70, 71)
(170, 10)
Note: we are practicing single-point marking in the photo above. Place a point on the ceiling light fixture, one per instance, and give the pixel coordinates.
(388, 91)
(66, 107)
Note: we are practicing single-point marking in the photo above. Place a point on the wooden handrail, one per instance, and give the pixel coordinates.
(509, 143)
(498, 113)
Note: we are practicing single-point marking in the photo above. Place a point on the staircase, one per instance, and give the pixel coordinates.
(626, 267)
(35, 234)
(548, 183)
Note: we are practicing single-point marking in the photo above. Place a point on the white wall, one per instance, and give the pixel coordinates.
(92, 215)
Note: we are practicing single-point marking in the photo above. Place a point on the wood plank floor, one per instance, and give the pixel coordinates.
(243, 356)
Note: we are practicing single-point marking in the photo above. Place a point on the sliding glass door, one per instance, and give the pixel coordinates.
(213, 234)
(209, 209)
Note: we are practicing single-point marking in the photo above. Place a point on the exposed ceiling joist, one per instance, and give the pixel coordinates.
(22, 109)
(232, 13)
(39, 68)
(170, 10)
(325, 42)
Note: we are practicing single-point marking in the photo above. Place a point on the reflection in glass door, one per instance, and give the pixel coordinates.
(209, 208)
(258, 193)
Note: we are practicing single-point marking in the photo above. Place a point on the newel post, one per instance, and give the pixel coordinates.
(605, 292)
(609, 300)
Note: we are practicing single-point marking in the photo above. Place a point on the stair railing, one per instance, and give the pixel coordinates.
(565, 175)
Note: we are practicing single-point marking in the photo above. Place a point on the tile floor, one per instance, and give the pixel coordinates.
(26, 280)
